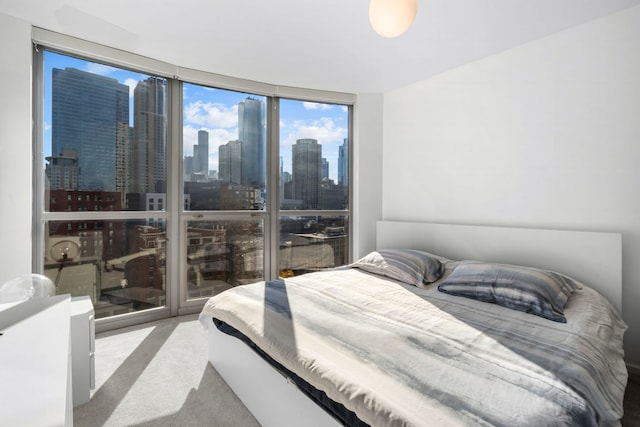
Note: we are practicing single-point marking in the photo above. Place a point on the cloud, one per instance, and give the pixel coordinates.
(132, 83)
(324, 130)
(211, 115)
(101, 69)
(316, 106)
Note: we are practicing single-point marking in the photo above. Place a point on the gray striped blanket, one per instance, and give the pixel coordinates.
(398, 355)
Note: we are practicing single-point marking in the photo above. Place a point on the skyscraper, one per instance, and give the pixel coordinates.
(196, 167)
(229, 162)
(343, 164)
(62, 171)
(252, 134)
(123, 161)
(88, 111)
(306, 176)
(325, 169)
(188, 167)
(201, 153)
(149, 150)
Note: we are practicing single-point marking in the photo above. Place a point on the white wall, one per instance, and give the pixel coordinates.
(543, 135)
(368, 172)
(15, 148)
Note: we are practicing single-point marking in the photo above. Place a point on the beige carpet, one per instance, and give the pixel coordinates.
(157, 374)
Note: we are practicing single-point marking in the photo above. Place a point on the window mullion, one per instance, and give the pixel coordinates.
(38, 160)
(175, 256)
(273, 198)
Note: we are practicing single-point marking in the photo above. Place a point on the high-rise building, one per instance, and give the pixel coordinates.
(201, 153)
(230, 162)
(343, 164)
(62, 171)
(123, 160)
(149, 150)
(281, 175)
(188, 167)
(325, 169)
(87, 113)
(252, 134)
(306, 176)
(196, 167)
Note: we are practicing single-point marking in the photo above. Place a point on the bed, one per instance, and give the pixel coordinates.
(394, 339)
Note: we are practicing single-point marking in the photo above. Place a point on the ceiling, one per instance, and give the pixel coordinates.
(319, 44)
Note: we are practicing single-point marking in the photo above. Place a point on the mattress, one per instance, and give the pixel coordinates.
(400, 355)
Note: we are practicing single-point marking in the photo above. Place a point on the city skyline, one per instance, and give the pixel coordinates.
(107, 149)
(216, 111)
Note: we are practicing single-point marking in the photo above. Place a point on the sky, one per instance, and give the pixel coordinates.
(216, 111)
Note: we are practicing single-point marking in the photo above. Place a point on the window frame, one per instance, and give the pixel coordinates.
(175, 214)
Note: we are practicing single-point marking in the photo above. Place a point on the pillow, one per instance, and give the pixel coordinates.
(405, 265)
(540, 292)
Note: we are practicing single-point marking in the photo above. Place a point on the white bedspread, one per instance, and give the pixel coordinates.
(398, 355)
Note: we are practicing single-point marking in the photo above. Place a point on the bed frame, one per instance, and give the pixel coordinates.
(591, 257)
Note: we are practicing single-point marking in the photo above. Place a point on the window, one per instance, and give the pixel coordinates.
(224, 176)
(188, 188)
(106, 130)
(225, 149)
(314, 165)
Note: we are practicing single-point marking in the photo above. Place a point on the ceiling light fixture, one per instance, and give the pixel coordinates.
(390, 18)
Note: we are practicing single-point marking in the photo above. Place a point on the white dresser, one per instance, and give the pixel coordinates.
(40, 376)
(83, 338)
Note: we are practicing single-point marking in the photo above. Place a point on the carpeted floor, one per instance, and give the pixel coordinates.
(157, 374)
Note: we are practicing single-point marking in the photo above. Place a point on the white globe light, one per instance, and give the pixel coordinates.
(26, 287)
(390, 18)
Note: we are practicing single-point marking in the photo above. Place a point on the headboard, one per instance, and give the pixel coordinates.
(594, 258)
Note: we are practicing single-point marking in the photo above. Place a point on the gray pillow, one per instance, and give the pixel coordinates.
(540, 292)
(409, 266)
